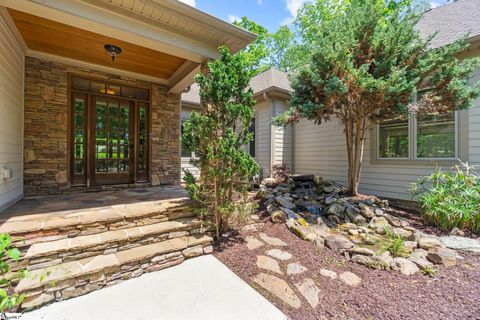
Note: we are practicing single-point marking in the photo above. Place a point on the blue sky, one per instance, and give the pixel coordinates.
(269, 13)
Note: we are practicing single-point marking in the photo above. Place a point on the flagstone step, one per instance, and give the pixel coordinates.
(28, 230)
(55, 252)
(74, 278)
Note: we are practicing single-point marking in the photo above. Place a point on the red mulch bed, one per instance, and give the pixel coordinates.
(415, 221)
(453, 293)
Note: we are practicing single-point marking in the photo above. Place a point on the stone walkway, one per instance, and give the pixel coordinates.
(271, 254)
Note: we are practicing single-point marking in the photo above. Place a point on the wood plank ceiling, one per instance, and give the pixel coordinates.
(63, 40)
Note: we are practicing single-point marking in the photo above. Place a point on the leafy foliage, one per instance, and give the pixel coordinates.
(217, 134)
(255, 53)
(365, 60)
(269, 49)
(395, 244)
(8, 300)
(282, 53)
(430, 271)
(450, 199)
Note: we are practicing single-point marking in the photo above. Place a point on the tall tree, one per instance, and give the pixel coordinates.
(269, 49)
(255, 53)
(366, 62)
(216, 135)
(281, 49)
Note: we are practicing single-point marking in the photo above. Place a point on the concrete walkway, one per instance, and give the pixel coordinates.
(200, 288)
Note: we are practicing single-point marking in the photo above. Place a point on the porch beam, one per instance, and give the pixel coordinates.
(102, 21)
(183, 77)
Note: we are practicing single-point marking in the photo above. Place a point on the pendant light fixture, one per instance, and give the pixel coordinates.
(112, 50)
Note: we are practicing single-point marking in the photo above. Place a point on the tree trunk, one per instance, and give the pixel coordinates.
(355, 140)
(349, 145)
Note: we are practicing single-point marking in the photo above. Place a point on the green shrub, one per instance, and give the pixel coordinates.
(217, 134)
(450, 199)
(430, 271)
(395, 244)
(8, 299)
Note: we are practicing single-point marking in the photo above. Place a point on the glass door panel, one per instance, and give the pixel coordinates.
(142, 142)
(79, 142)
(112, 128)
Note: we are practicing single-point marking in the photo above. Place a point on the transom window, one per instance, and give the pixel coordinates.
(419, 137)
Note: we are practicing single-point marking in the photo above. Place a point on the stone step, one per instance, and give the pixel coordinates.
(50, 253)
(35, 228)
(74, 278)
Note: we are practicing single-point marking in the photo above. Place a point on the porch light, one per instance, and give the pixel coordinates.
(112, 50)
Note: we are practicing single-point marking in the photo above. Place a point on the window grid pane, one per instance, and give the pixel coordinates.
(142, 138)
(79, 131)
(436, 136)
(393, 139)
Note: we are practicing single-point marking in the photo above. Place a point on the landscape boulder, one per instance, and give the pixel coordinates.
(367, 212)
(419, 258)
(429, 242)
(284, 202)
(443, 256)
(378, 223)
(338, 243)
(278, 216)
(336, 208)
(404, 266)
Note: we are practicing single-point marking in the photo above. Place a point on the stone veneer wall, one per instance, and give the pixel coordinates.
(46, 107)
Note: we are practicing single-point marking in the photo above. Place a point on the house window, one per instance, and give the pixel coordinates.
(420, 137)
(184, 152)
(435, 136)
(393, 139)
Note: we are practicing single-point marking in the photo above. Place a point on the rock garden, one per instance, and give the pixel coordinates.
(364, 229)
(319, 254)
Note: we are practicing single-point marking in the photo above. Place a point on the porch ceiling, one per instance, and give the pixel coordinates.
(56, 38)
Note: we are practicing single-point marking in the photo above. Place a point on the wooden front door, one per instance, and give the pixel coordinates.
(109, 126)
(112, 141)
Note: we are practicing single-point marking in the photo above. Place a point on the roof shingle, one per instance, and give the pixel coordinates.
(272, 79)
(452, 21)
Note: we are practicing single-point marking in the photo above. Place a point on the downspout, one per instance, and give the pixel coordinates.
(292, 151)
(272, 133)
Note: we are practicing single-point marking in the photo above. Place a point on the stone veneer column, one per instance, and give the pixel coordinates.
(165, 137)
(46, 132)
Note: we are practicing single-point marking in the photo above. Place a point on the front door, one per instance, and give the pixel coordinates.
(109, 137)
(111, 150)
